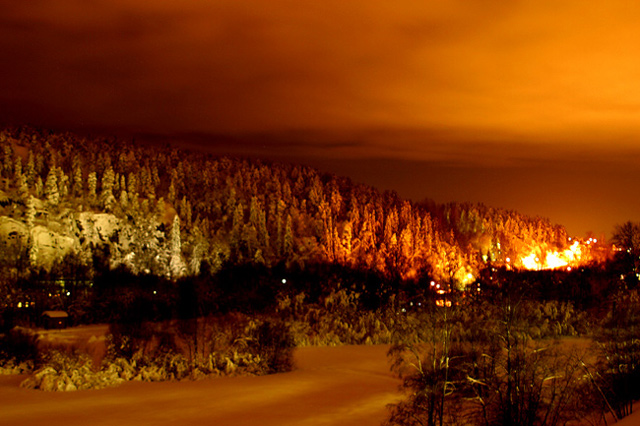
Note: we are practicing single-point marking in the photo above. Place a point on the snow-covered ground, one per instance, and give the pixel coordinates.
(348, 385)
(633, 419)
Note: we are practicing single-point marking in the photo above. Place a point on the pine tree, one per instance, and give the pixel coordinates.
(76, 176)
(8, 161)
(39, 187)
(288, 237)
(263, 233)
(236, 229)
(63, 183)
(92, 183)
(17, 168)
(30, 170)
(30, 212)
(107, 198)
(124, 200)
(132, 184)
(51, 192)
(132, 192)
(171, 195)
(185, 211)
(23, 188)
(177, 266)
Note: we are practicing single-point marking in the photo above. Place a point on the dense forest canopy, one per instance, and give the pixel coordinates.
(166, 211)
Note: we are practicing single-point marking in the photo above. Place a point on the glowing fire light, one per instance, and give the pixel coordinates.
(553, 259)
(442, 303)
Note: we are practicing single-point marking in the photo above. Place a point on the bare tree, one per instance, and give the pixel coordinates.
(626, 237)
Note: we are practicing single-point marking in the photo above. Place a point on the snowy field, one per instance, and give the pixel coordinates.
(348, 385)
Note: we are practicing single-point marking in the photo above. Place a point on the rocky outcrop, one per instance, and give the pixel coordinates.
(49, 246)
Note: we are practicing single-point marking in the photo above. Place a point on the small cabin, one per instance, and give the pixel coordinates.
(55, 319)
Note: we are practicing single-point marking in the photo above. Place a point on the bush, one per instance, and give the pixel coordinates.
(18, 345)
(274, 343)
(619, 351)
(489, 372)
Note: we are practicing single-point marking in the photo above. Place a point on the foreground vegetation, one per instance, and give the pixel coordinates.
(490, 355)
(496, 370)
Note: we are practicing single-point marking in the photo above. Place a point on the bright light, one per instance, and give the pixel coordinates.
(284, 281)
(529, 262)
(553, 259)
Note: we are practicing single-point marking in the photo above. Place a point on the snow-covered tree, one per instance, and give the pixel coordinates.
(78, 182)
(107, 199)
(92, 183)
(30, 212)
(30, 170)
(17, 167)
(8, 160)
(124, 200)
(39, 187)
(23, 188)
(177, 265)
(288, 237)
(51, 192)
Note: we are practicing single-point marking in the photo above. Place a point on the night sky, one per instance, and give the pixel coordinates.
(531, 105)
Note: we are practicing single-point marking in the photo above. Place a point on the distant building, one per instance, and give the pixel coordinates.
(55, 319)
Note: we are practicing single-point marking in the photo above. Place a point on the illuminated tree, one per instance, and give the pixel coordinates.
(92, 183)
(30, 212)
(30, 169)
(39, 187)
(288, 237)
(132, 184)
(185, 211)
(23, 188)
(176, 263)
(63, 183)
(76, 176)
(51, 192)
(171, 196)
(123, 199)
(8, 160)
(236, 229)
(106, 194)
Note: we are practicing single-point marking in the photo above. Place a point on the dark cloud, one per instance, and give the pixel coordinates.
(477, 84)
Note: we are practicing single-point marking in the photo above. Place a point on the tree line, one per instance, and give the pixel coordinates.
(247, 211)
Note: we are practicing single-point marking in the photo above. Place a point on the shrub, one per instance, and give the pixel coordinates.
(274, 343)
(18, 345)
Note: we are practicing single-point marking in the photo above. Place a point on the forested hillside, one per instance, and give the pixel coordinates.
(168, 212)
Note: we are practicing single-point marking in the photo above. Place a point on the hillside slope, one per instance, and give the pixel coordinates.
(166, 212)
